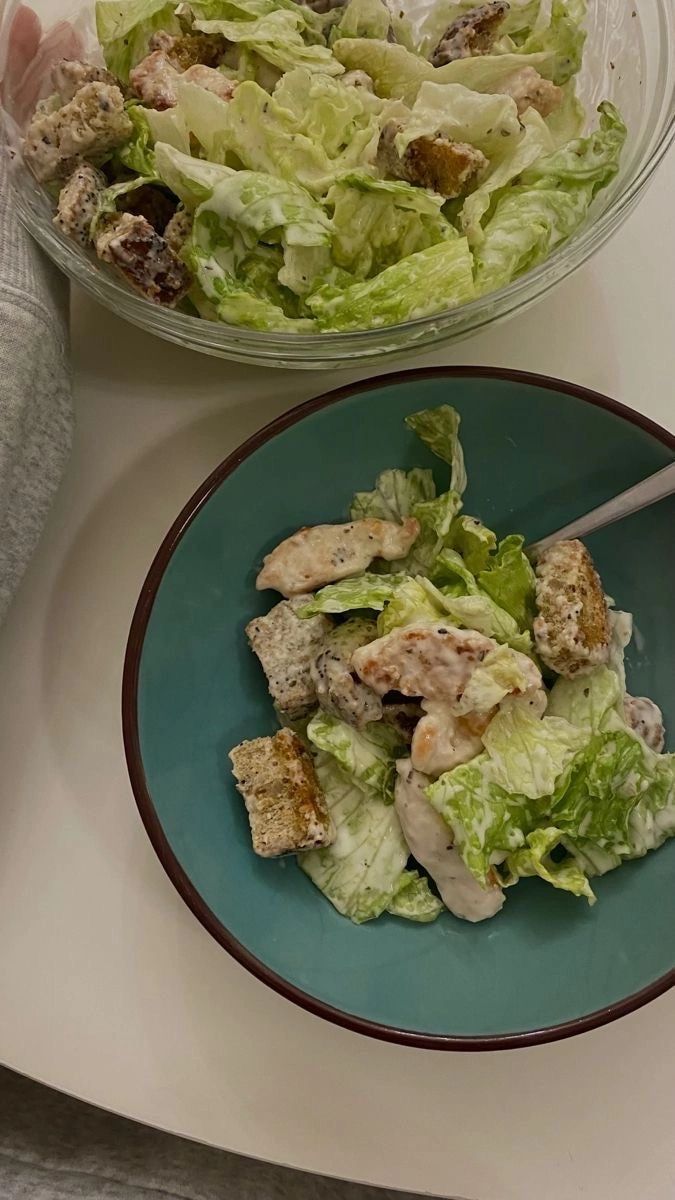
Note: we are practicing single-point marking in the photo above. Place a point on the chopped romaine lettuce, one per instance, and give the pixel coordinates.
(478, 611)
(438, 428)
(124, 30)
(564, 35)
(592, 702)
(509, 579)
(529, 753)
(501, 672)
(395, 494)
(277, 38)
(474, 541)
(361, 872)
(535, 859)
(363, 591)
(484, 120)
(367, 758)
(414, 899)
(193, 180)
(439, 277)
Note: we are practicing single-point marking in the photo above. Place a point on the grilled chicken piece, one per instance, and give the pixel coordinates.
(446, 167)
(530, 90)
(471, 33)
(155, 77)
(646, 719)
(442, 740)
(287, 646)
(286, 807)
(69, 75)
(431, 660)
(338, 688)
(142, 256)
(78, 203)
(571, 630)
(91, 124)
(325, 553)
(430, 842)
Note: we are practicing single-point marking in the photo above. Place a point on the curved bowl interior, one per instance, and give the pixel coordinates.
(537, 456)
(629, 59)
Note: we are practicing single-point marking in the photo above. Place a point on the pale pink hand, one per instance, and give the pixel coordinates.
(29, 59)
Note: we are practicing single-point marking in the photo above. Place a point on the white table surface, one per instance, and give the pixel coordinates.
(110, 989)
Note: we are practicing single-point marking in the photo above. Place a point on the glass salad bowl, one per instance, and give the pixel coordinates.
(629, 59)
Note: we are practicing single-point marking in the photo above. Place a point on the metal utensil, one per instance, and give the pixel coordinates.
(655, 487)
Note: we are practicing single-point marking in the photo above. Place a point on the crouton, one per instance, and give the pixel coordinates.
(444, 166)
(571, 629)
(286, 808)
(287, 646)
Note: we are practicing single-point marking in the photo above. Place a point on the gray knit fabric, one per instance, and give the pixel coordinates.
(35, 398)
(56, 1148)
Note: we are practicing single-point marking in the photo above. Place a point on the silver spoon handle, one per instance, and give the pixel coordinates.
(648, 491)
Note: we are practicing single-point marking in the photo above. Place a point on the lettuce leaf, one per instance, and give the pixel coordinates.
(530, 753)
(193, 180)
(439, 277)
(361, 872)
(502, 671)
(474, 541)
(549, 203)
(564, 35)
(124, 28)
(377, 222)
(509, 579)
(438, 428)
(591, 702)
(409, 604)
(366, 758)
(277, 38)
(535, 859)
(367, 591)
(395, 494)
(137, 154)
(413, 899)
(478, 611)
(487, 822)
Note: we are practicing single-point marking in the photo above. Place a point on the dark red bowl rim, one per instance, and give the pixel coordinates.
(177, 875)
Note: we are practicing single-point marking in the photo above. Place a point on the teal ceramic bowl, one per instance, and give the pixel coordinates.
(539, 452)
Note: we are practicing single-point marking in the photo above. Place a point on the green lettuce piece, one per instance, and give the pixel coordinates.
(193, 180)
(311, 131)
(395, 494)
(414, 900)
(603, 786)
(372, 19)
(438, 428)
(436, 278)
(592, 702)
(535, 859)
(487, 822)
(168, 126)
(251, 10)
(377, 222)
(361, 872)
(478, 611)
(510, 581)
(232, 233)
(549, 203)
(367, 591)
(124, 28)
(367, 758)
(107, 200)
(621, 632)
(278, 39)
(452, 574)
(473, 541)
(409, 604)
(486, 120)
(529, 753)
(507, 162)
(564, 35)
(137, 154)
(502, 671)
(234, 302)
(398, 73)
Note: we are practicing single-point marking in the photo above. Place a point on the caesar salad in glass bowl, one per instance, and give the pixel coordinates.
(310, 183)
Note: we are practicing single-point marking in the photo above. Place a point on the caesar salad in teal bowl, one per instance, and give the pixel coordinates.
(411, 778)
(310, 183)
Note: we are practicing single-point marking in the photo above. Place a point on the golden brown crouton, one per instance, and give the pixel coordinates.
(432, 162)
(572, 627)
(78, 203)
(286, 808)
(88, 126)
(471, 33)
